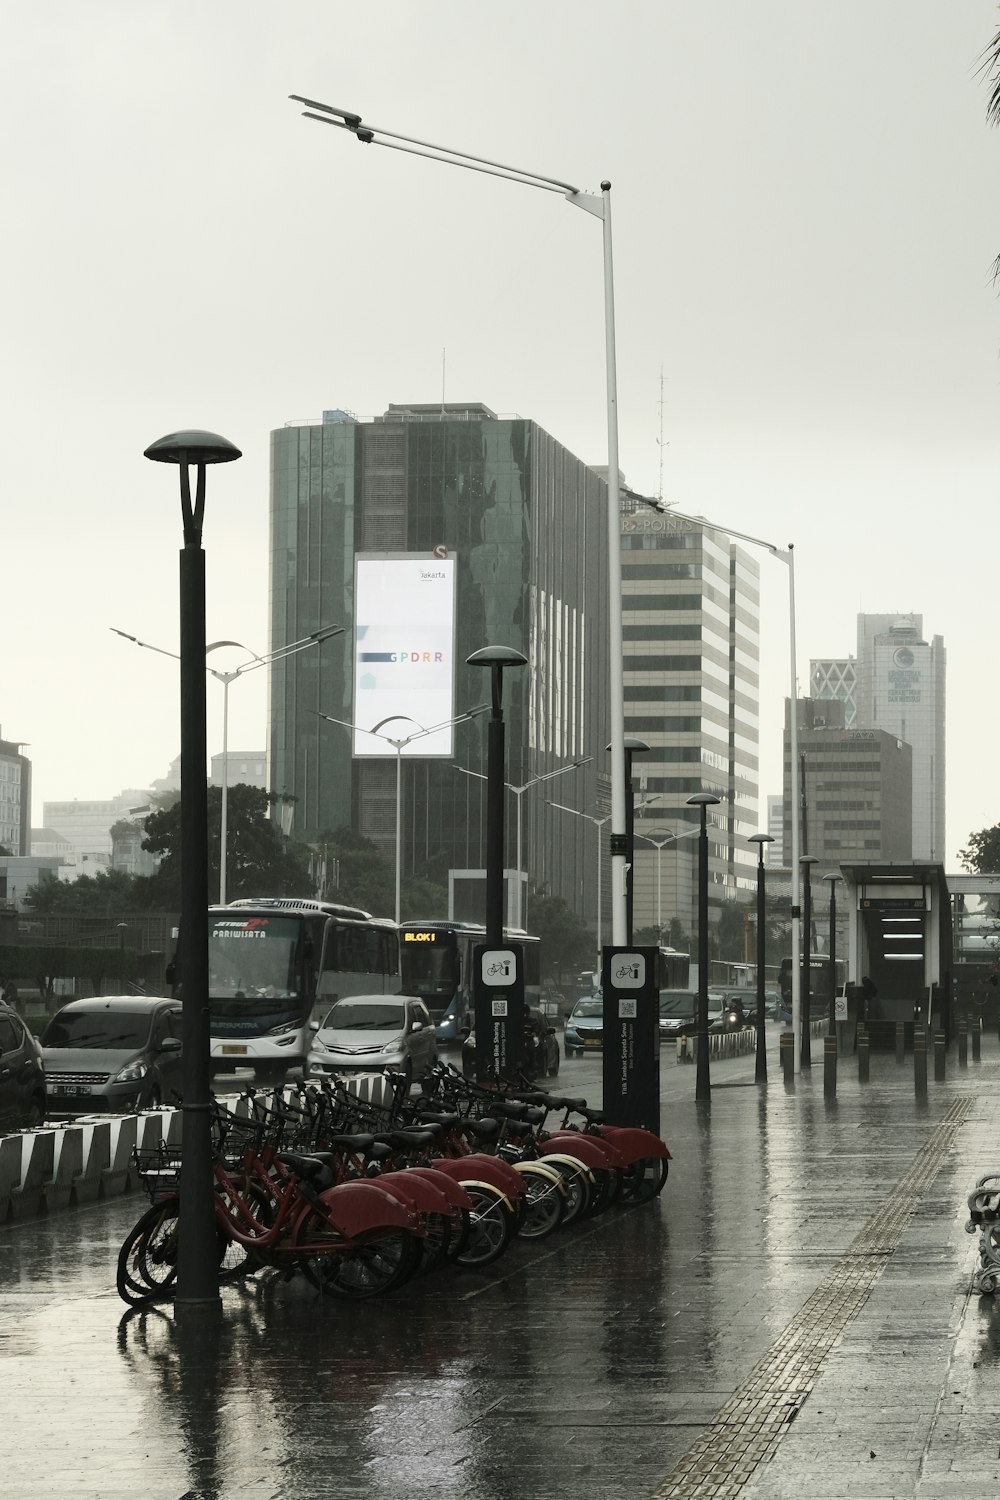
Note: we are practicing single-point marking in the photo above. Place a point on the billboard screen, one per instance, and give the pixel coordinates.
(404, 651)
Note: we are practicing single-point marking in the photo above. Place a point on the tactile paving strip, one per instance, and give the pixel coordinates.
(746, 1431)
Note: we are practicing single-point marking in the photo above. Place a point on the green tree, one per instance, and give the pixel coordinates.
(260, 861)
(731, 933)
(983, 852)
(108, 893)
(566, 944)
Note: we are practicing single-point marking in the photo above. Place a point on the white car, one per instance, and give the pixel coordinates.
(365, 1033)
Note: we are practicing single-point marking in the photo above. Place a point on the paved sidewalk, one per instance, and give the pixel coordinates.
(794, 1317)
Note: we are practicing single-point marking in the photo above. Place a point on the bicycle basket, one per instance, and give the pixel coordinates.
(159, 1170)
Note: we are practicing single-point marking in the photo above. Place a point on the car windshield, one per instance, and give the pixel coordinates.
(678, 1005)
(588, 1008)
(365, 1015)
(97, 1030)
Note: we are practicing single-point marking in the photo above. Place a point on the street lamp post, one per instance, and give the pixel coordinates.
(805, 861)
(659, 845)
(832, 1020)
(760, 839)
(703, 1084)
(496, 658)
(198, 1251)
(599, 207)
(316, 638)
(633, 746)
(399, 744)
(598, 824)
(519, 792)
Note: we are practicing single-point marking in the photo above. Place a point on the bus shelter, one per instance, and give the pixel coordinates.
(899, 948)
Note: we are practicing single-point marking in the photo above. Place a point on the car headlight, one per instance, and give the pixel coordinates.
(133, 1072)
(393, 1048)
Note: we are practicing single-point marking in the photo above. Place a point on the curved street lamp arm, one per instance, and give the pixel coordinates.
(136, 641)
(347, 120)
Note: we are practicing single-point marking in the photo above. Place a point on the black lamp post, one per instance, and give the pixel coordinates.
(633, 746)
(760, 1071)
(805, 1044)
(198, 1248)
(832, 1027)
(703, 1083)
(496, 658)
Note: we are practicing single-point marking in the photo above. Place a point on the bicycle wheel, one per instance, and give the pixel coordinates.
(371, 1267)
(140, 1279)
(578, 1190)
(436, 1245)
(364, 1267)
(492, 1226)
(237, 1260)
(545, 1201)
(644, 1180)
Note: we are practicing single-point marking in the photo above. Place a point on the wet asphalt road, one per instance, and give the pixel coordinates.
(595, 1362)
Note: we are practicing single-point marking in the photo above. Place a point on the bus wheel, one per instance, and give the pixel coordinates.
(270, 1075)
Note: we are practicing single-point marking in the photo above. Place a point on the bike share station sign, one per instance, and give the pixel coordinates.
(498, 991)
(631, 1037)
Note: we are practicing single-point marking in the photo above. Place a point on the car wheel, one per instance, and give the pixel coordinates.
(154, 1101)
(36, 1114)
(553, 1071)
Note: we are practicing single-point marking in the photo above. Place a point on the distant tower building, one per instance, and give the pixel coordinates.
(901, 691)
(837, 678)
(15, 798)
(690, 627)
(774, 854)
(858, 789)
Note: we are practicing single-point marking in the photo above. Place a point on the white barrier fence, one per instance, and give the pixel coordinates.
(64, 1166)
(731, 1043)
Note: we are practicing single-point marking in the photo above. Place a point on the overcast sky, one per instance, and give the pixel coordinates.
(805, 220)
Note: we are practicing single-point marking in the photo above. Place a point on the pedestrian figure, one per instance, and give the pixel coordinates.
(10, 995)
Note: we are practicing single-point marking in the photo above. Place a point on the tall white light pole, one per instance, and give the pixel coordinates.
(598, 824)
(600, 207)
(519, 792)
(292, 649)
(399, 744)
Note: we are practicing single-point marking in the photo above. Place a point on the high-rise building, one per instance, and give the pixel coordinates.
(774, 854)
(901, 690)
(837, 677)
(858, 788)
(526, 523)
(15, 798)
(690, 628)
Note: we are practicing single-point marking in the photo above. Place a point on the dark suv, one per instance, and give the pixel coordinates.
(113, 1053)
(22, 1078)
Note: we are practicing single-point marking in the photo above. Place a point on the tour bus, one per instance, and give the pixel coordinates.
(275, 964)
(435, 963)
(819, 983)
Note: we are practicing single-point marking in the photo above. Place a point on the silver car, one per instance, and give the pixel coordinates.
(112, 1054)
(365, 1033)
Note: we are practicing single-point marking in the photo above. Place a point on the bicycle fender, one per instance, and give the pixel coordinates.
(539, 1169)
(453, 1190)
(358, 1207)
(570, 1161)
(491, 1187)
(590, 1149)
(634, 1143)
(483, 1169)
(412, 1189)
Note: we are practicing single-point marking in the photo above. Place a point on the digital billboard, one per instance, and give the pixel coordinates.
(404, 652)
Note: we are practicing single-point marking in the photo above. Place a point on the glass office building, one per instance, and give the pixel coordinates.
(526, 523)
(691, 632)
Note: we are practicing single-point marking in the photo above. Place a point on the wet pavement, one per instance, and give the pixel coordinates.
(793, 1316)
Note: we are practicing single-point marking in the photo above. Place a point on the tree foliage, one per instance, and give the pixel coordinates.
(982, 855)
(260, 861)
(367, 879)
(566, 944)
(108, 893)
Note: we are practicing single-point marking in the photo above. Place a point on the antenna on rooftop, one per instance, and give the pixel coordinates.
(659, 493)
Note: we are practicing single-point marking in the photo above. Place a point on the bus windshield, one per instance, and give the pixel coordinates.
(433, 973)
(251, 963)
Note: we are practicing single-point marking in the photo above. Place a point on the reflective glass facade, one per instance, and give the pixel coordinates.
(525, 521)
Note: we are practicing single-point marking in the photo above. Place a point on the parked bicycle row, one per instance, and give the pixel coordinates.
(358, 1196)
